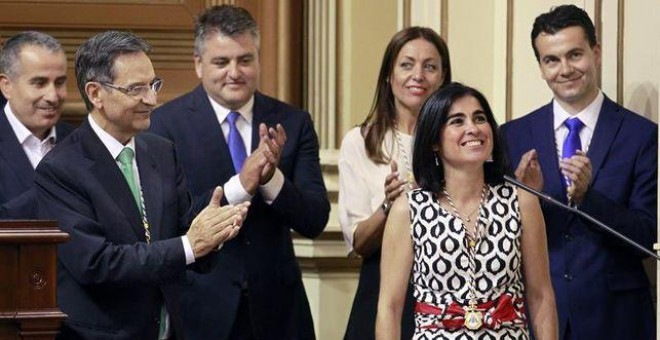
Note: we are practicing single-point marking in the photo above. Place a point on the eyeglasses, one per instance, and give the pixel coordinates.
(137, 91)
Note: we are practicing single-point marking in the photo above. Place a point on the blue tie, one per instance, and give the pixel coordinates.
(236, 145)
(572, 142)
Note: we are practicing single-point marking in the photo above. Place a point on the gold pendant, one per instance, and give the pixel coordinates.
(473, 319)
(467, 219)
(472, 243)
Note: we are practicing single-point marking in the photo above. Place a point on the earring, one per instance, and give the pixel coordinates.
(490, 159)
(437, 162)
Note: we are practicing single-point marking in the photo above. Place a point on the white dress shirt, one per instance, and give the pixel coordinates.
(115, 147)
(233, 189)
(34, 148)
(588, 116)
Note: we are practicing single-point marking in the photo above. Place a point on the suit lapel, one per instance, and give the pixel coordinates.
(263, 112)
(105, 168)
(151, 184)
(211, 136)
(259, 115)
(607, 126)
(542, 130)
(13, 152)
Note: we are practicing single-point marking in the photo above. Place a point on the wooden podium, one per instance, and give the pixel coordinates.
(28, 279)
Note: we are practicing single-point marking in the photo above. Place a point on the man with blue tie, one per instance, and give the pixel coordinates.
(601, 158)
(121, 196)
(33, 85)
(260, 150)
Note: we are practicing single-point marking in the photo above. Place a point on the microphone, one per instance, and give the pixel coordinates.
(581, 213)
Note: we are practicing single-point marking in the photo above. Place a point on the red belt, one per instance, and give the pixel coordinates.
(503, 310)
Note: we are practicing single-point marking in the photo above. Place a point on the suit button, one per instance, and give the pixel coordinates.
(244, 285)
(568, 277)
(247, 242)
(568, 237)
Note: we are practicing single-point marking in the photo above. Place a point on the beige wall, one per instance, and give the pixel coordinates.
(477, 38)
(366, 27)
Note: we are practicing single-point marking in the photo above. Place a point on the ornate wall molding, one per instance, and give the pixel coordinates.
(320, 92)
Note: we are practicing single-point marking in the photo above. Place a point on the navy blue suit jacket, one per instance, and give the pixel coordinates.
(111, 283)
(17, 175)
(600, 284)
(260, 260)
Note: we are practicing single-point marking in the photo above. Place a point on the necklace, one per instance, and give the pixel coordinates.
(474, 318)
(455, 210)
(472, 237)
(404, 153)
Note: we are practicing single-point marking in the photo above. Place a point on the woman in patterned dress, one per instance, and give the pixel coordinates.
(477, 245)
(375, 162)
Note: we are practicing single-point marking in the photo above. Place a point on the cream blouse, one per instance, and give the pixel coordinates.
(362, 182)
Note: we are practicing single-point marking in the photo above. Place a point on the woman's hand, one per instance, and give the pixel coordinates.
(394, 185)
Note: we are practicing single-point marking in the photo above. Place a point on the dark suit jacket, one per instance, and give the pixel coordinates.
(17, 175)
(111, 283)
(260, 260)
(600, 284)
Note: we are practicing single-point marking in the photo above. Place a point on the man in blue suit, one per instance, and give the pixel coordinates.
(255, 290)
(33, 80)
(121, 196)
(606, 165)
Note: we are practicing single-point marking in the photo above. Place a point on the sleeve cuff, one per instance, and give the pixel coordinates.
(271, 189)
(234, 191)
(187, 248)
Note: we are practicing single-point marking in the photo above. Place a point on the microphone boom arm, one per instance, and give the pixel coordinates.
(581, 213)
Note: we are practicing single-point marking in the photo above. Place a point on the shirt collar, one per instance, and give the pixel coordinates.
(21, 131)
(588, 116)
(112, 144)
(222, 112)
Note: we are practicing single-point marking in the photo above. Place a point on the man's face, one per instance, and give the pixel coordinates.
(37, 88)
(120, 114)
(229, 69)
(569, 65)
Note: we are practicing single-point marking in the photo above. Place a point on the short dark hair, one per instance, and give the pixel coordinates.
(561, 17)
(382, 114)
(226, 20)
(432, 119)
(95, 59)
(9, 56)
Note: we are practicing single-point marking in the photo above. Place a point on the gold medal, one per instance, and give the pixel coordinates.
(473, 319)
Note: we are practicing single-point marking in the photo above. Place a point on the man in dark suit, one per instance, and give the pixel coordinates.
(260, 150)
(33, 80)
(606, 165)
(122, 197)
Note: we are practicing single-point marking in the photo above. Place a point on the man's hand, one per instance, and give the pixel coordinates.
(274, 139)
(215, 224)
(578, 170)
(253, 167)
(529, 170)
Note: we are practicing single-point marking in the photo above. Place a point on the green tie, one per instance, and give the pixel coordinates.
(125, 158)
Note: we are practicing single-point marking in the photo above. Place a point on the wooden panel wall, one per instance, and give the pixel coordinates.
(168, 26)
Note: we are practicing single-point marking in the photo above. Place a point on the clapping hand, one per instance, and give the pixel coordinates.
(529, 170)
(215, 224)
(394, 185)
(578, 170)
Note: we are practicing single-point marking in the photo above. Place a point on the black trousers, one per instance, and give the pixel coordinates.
(242, 328)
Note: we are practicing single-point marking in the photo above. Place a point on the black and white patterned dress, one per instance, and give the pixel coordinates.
(441, 268)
